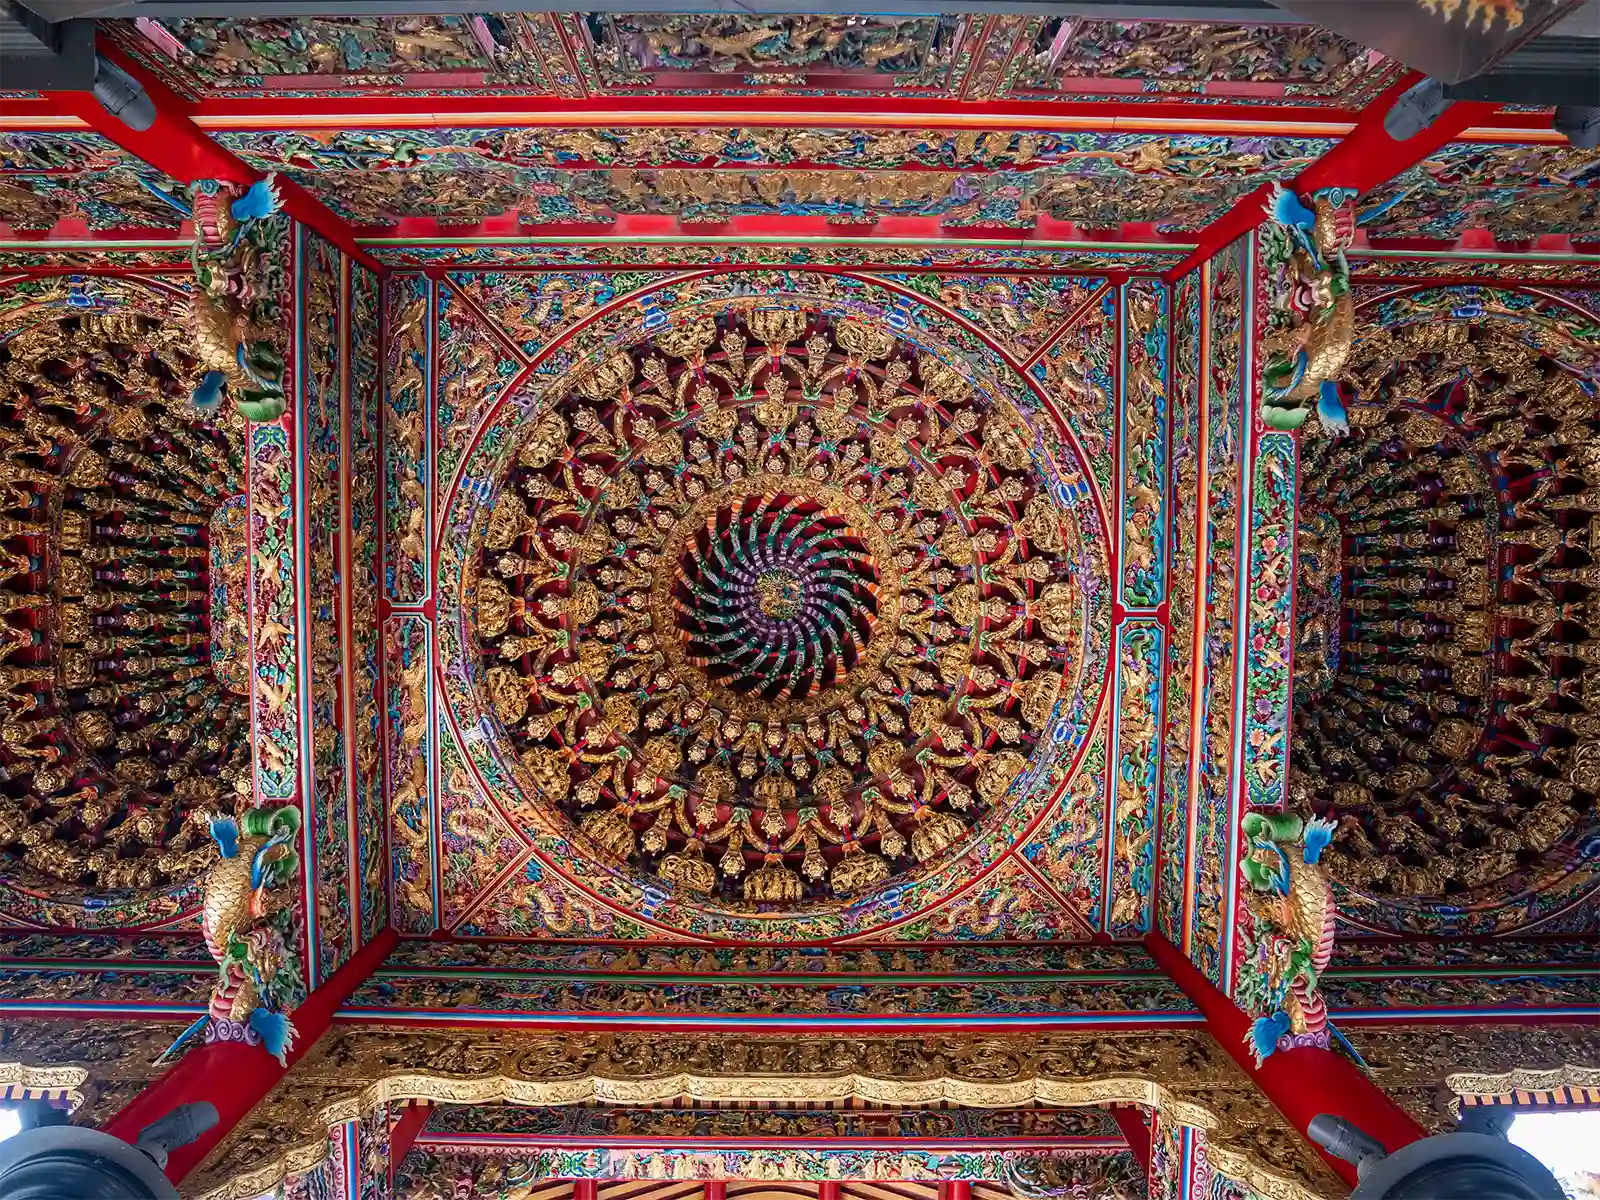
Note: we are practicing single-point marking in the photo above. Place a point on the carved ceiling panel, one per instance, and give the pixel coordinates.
(465, 175)
(973, 57)
(72, 176)
(509, 1147)
(772, 607)
(429, 1175)
(1070, 55)
(1514, 192)
(451, 981)
(123, 593)
(1446, 680)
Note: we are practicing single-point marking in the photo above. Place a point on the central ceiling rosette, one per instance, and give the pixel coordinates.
(776, 596)
(773, 606)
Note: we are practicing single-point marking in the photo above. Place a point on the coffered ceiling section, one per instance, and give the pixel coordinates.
(593, 55)
(973, 178)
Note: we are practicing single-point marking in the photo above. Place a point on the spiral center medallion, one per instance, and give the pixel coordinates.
(780, 593)
(776, 596)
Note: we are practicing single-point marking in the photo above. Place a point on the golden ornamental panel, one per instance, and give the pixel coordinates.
(1184, 1074)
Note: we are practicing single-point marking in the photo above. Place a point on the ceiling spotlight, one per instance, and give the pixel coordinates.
(1418, 108)
(50, 1160)
(1482, 1165)
(123, 96)
(1580, 126)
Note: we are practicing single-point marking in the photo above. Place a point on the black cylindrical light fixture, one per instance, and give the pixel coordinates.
(123, 96)
(50, 1161)
(1452, 1165)
(53, 1161)
(1447, 1166)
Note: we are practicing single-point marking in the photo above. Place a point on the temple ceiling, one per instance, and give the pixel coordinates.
(774, 611)
(827, 458)
(592, 55)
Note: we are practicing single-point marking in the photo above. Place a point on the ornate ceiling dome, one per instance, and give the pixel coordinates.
(772, 605)
(1447, 677)
(124, 652)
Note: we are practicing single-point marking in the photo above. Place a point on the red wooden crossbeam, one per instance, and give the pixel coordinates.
(375, 109)
(1362, 159)
(175, 145)
(404, 1135)
(1136, 1133)
(236, 1077)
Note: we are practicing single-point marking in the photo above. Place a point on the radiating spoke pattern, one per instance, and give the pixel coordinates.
(776, 597)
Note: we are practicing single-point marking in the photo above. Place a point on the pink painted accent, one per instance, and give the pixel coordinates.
(481, 35)
(157, 35)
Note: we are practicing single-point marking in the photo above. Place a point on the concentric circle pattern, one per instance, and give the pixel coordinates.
(776, 597)
(773, 606)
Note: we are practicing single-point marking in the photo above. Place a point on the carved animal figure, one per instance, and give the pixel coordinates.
(1313, 315)
(234, 304)
(243, 891)
(1291, 900)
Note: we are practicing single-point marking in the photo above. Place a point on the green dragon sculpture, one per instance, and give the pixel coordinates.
(238, 265)
(1311, 322)
(1292, 906)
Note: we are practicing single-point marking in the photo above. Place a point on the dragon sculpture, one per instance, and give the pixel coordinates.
(244, 895)
(1311, 323)
(238, 267)
(1291, 901)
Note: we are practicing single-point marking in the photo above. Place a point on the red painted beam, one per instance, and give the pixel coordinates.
(1113, 114)
(1300, 1083)
(716, 1189)
(174, 144)
(236, 1077)
(829, 1189)
(823, 112)
(1136, 1133)
(404, 1135)
(1363, 158)
(585, 1189)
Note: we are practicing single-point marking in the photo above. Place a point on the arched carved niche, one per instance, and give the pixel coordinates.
(123, 653)
(1447, 678)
